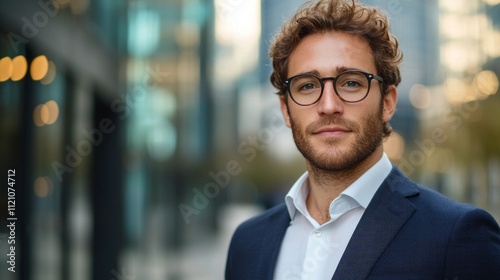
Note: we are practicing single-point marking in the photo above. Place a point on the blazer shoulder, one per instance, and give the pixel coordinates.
(441, 203)
(255, 245)
(474, 248)
(269, 226)
(439, 238)
(424, 198)
(262, 221)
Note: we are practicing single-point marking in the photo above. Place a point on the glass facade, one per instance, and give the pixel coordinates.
(61, 138)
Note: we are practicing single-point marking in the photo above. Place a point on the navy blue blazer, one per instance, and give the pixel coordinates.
(407, 232)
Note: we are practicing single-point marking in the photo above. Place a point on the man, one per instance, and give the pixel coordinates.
(353, 215)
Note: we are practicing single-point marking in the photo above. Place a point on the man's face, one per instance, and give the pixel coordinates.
(331, 134)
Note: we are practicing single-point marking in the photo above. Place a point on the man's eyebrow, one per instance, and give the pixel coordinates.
(337, 70)
(340, 69)
(315, 72)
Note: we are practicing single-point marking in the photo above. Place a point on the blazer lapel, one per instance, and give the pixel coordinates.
(384, 217)
(276, 225)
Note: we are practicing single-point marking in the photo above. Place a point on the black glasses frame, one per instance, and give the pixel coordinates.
(369, 76)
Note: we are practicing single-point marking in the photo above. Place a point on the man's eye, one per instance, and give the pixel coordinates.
(308, 86)
(351, 84)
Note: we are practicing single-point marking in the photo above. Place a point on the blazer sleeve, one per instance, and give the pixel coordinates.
(474, 247)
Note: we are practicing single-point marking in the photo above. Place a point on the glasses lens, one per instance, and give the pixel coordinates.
(352, 86)
(305, 89)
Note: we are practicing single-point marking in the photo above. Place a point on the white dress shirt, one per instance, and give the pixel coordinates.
(313, 251)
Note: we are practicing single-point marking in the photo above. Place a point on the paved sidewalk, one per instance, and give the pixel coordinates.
(201, 260)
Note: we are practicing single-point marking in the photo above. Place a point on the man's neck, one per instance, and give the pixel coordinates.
(325, 186)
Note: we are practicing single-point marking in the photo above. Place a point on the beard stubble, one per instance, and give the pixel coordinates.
(368, 136)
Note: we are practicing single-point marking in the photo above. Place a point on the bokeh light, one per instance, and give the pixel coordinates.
(39, 67)
(46, 114)
(53, 112)
(37, 120)
(455, 90)
(486, 82)
(43, 186)
(51, 74)
(20, 68)
(420, 97)
(6, 68)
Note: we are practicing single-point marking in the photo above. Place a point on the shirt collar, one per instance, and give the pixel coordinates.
(296, 197)
(362, 190)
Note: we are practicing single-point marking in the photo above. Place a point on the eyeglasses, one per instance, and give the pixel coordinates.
(350, 86)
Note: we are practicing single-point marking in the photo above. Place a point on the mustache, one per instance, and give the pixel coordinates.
(332, 120)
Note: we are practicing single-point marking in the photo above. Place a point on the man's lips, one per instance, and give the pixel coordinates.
(331, 130)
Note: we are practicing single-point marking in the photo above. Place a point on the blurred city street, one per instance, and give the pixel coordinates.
(135, 135)
(202, 259)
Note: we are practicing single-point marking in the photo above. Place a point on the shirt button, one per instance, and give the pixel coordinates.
(317, 233)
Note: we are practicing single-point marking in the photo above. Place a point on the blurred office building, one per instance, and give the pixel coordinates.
(459, 131)
(61, 70)
(142, 132)
(121, 121)
(92, 95)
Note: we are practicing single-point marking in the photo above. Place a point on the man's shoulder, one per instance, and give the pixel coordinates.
(255, 245)
(437, 201)
(432, 204)
(267, 226)
(276, 214)
(423, 196)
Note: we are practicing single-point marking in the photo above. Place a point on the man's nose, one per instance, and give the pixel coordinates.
(330, 102)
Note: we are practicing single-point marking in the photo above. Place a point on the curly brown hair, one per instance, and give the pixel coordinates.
(337, 15)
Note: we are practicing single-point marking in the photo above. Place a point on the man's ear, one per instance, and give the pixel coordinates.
(390, 101)
(284, 110)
